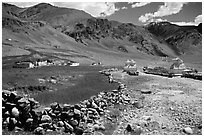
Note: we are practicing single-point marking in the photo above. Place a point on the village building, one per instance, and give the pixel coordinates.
(178, 64)
(25, 64)
(74, 64)
(131, 64)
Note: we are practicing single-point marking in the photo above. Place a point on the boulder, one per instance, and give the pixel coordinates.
(15, 112)
(45, 125)
(137, 104)
(78, 131)
(24, 104)
(94, 105)
(101, 127)
(146, 91)
(29, 120)
(77, 106)
(12, 96)
(96, 127)
(60, 123)
(70, 115)
(6, 92)
(48, 109)
(73, 122)
(68, 126)
(64, 115)
(33, 103)
(61, 130)
(136, 131)
(77, 112)
(11, 123)
(146, 118)
(66, 107)
(39, 131)
(46, 119)
(188, 130)
(54, 105)
(128, 128)
(115, 91)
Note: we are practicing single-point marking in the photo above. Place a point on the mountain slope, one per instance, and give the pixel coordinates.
(181, 39)
(55, 16)
(97, 29)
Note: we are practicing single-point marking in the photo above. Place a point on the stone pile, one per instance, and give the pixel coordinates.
(84, 118)
(108, 72)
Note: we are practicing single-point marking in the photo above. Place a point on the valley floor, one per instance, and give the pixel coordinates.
(169, 107)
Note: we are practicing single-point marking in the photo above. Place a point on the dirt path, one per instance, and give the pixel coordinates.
(173, 105)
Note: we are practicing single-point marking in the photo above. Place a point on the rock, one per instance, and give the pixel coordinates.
(77, 112)
(92, 111)
(48, 109)
(45, 125)
(70, 115)
(94, 105)
(137, 104)
(15, 112)
(39, 131)
(12, 96)
(146, 91)
(98, 133)
(33, 103)
(66, 107)
(95, 127)
(64, 115)
(137, 131)
(23, 100)
(24, 103)
(128, 128)
(78, 131)
(83, 110)
(54, 105)
(115, 91)
(188, 130)
(29, 120)
(77, 106)
(49, 130)
(146, 118)
(46, 119)
(7, 92)
(68, 127)
(56, 112)
(6, 114)
(11, 123)
(61, 130)
(101, 127)
(74, 122)
(18, 129)
(60, 123)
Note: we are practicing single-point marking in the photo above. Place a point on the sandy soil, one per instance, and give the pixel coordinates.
(172, 105)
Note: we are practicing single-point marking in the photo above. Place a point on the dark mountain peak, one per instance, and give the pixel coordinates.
(10, 11)
(37, 9)
(7, 5)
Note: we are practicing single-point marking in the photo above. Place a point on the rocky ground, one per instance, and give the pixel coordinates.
(163, 106)
(142, 105)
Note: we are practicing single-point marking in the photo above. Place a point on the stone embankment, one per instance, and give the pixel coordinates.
(25, 114)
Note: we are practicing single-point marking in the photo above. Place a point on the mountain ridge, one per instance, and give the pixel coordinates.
(91, 33)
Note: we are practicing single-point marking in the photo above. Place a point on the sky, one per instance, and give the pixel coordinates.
(139, 13)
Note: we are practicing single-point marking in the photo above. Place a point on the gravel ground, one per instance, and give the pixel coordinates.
(172, 106)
